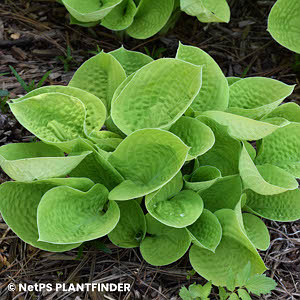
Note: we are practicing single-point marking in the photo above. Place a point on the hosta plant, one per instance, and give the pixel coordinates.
(157, 155)
(284, 23)
(143, 18)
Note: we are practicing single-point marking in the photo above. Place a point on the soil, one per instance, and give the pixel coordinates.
(35, 37)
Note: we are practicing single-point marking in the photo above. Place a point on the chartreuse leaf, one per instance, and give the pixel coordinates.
(53, 117)
(67, 215)
(284, 207)
(233, 296)
(230, 281)
(195, 134)
(224, 155)
(282, 148)
(131, 229)
(106, 140)
(95, 166)
(153, 98)
(31, 161)
(19, 203)
(214, 93)
(172, 207)
(131, 61)
(243, 294)
(139, 160)
(207, 10)
(198, 291)
(289, 111)
(243, 128)
(260, 284)
(121, 16)
(255, 97)
(150, 18)
(243, 275)
(233, 252)
(206, 232)
(202, 178)
(257, 231)
(232, 80)
(185, 294)
(284, 24)
(89, 10)
(163, 244)
(264, 179)
(94, 107)
(224, 193)
(100, 75)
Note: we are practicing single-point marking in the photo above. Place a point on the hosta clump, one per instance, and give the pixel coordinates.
(143, 18)
(174, 169)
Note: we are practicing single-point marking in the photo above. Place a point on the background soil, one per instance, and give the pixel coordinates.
(35, 37)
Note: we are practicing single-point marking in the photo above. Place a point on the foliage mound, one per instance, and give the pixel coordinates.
(157, 155)
(143, 18)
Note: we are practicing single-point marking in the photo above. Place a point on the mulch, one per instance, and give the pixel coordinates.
(35, 37)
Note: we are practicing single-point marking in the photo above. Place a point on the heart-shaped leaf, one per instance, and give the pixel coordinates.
(206, 232)
(282, 148)
(150, 18)
(172, 208)
(66, 215)
(53, 117)
(131, 61)
(289, 111)
(284, 23)
(202, 178)
(153, 99)
(89, 10)
(257, 231)
(36, 161)
(164, 244)
(243, 128)
(264, 179)
(121, 16)
(255, 97)
(195, 134)
(100, 75)
(214, 93)
(138, 159)
(284, 207)
(207, 10)
(94, 107)
(233, 252)
(19, 203)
